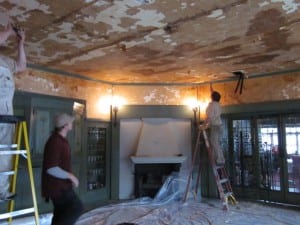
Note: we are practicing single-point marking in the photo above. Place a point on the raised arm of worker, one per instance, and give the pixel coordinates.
(21, 60)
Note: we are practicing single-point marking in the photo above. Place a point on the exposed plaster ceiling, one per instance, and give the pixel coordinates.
(158, 41)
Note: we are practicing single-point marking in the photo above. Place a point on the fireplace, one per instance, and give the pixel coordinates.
(150, 177)
(151, 172)
(158, 155)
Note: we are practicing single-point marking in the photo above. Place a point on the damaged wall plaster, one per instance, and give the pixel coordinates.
(266, 89)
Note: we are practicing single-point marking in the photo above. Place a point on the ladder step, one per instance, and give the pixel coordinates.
(222, 181)
(12, 152)
(16, 213)
(7, 173)
(11, 119)
(219, 167)
(226, 195)
(9, 146)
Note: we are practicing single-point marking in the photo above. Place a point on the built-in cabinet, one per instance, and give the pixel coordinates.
(96, 184)
(96, 157)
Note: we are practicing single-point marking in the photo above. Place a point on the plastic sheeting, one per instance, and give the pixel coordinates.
(167, 208)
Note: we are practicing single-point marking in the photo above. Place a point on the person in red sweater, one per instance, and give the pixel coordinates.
(58, 180)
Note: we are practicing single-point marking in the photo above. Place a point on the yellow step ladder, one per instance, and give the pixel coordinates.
(20, 137)
(220, 174)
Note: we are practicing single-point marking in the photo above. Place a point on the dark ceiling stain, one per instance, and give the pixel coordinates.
(127, 22)
(186, 47)
(228, 50)
(170, 29)
(183, 49)
(132, 11)
(258, 59)
(145, 72)
(267, 24)
(148, 72)
(294, 21)
(162, 62)
(175, 53)
(142, 52)
(266, 21)
(290, 79)
(277, 41)
(88, 29)
(231, 38)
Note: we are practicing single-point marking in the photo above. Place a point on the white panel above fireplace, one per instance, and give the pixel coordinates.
(157, 138)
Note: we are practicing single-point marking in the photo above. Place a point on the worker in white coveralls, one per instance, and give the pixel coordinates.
(214, 123)
(8, 67)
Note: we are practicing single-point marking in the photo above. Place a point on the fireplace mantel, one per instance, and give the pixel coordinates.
(158, 160)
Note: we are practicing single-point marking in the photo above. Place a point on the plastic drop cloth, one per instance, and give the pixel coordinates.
(168, 208)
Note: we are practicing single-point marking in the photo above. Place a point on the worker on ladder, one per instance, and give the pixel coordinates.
(8, 67)
(214, 123)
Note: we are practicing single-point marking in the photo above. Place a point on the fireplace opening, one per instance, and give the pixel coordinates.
(149, 178)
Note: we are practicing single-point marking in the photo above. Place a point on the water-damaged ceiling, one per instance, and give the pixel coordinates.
(158, 41)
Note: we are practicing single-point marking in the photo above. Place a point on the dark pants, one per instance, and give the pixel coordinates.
(67, 209)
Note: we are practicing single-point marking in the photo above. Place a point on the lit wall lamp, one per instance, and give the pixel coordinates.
(115, 110)
(117, 103)
(194, 105)
(195, 110)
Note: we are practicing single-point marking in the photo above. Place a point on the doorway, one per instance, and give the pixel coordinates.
(291, 131)
(266, 157)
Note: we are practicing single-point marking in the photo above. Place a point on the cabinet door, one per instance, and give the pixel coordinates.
(43, 112)
(97, 156)
(243, 153)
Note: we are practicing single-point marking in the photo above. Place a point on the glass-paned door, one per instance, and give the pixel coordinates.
(243, 153)
(292, 147)
(269, 155)
(96, 158)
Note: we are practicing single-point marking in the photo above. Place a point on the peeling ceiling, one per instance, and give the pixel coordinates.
(157, 41)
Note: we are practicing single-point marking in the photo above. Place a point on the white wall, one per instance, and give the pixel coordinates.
(129, 137)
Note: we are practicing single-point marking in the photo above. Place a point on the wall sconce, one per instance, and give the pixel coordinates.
(195, 110)
(117, 103)
(115, 110)
(195, 106)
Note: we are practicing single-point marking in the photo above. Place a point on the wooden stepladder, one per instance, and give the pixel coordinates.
(20, 138)
(220, 174)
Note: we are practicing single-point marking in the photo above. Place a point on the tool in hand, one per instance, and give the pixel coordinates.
(16, 29)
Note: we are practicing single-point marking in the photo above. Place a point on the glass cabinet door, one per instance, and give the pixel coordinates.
(269, 153)
(292, 147)
(96, 157)
(243, 153)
